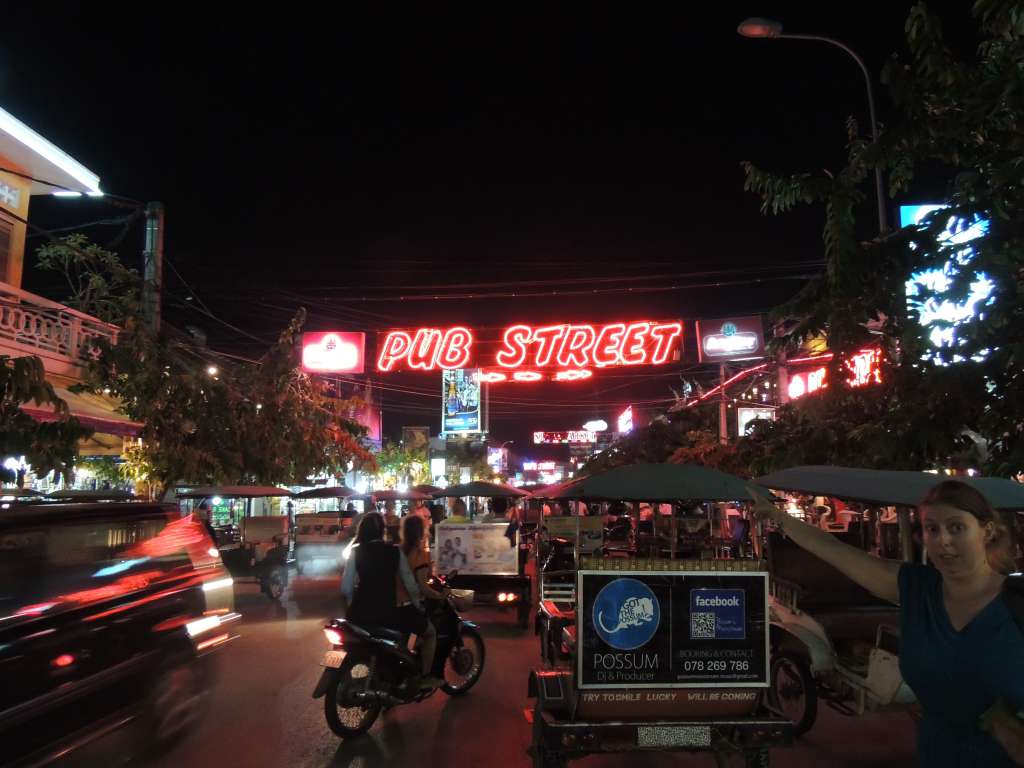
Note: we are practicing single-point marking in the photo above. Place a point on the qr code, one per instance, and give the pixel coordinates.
(702, 626)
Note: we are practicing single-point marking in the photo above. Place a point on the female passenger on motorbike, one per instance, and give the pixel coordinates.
(413, 620)
(372, 574)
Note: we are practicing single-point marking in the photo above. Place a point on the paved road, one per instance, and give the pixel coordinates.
(262, 714)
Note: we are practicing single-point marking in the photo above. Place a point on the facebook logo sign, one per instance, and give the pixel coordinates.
(718, 614)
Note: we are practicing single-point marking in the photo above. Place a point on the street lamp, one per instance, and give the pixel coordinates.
(769, 29)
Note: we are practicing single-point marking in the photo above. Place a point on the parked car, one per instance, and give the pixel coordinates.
(111, 616)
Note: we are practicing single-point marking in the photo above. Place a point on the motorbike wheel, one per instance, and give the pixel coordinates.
(343, 718)
(464, 664)
(793, 691)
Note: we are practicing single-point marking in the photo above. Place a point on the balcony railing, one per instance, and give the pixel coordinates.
(64, 338)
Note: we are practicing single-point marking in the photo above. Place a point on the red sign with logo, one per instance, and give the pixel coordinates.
(333, 352)
(863, 369)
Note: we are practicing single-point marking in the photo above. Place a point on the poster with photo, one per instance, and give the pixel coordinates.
(480, 549)
(460, 401)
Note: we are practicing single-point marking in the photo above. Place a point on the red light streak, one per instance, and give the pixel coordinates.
(526, 376)
(573, 374)
(490, 377)
(64, 660)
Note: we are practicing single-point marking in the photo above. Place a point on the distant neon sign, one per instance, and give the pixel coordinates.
(575, 348)
(863, 368)
(561, 438)
(625, 421)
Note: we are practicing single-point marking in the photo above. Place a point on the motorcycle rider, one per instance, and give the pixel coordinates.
(369, 584)
(412, 620)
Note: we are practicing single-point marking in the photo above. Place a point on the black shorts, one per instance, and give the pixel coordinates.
(411, 620)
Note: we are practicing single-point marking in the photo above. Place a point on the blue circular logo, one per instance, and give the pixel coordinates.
(626, 614)
(729, 329)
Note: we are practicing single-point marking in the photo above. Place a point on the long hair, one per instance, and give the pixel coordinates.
(1001, 548)
(412, 533)
(371, 528)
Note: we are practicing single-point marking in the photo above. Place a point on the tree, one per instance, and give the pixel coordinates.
(962, 119)
(259, 421)
(397, 461)
(46, 446)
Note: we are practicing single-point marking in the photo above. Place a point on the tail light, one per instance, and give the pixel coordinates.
(502, 597)
(333, 636)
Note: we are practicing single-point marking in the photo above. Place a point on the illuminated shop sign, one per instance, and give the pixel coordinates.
(625, 421)
(863, 369)
(559, 438)
(734, 338)
(523, 349)
(928, 290)
(333, 352)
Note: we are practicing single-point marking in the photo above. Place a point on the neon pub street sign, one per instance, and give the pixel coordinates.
(574, 348)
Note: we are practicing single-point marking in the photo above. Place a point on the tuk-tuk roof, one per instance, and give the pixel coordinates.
(233, 491)
(481, 488)
(74, 494)
(655, 482)
(334, 492)
(887, 487)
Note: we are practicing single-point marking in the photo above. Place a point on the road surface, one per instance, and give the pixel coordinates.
(261, 712)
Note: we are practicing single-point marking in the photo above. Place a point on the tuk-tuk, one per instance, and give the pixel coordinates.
(830, 638)
(321, 536)
(647, 643)
(489, 558)
(260, 552)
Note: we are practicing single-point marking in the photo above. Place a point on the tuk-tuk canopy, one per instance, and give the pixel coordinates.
(233, 491)
(73, 494)
(656, 483)
(430, 490)
(886, 487)
(334, 492)
(482, 488)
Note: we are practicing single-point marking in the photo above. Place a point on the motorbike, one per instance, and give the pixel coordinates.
(370, 669)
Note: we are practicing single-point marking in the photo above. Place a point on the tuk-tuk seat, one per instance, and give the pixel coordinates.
(557, 611)
(823, 588)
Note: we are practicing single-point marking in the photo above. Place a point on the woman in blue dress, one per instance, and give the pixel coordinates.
(961, 650)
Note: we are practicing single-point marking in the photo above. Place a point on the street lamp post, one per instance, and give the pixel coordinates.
(768, 29)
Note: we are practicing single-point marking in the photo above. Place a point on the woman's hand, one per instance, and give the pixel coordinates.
(1008, 730)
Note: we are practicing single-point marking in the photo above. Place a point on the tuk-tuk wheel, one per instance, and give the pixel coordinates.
(793, 691)
(539, 754)
(275, 584)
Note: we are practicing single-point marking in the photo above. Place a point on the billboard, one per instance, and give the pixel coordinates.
(333, 352)
(416, 438)
(731, 338)
(660, 629)
(746, 415)
(941, 315)
(480, 549)
(461, 409)
(562, 438)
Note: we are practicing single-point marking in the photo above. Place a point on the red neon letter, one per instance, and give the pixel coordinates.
(396, 346)
(633, 351)
(606, 348)
(578, 341)
(455, 348)
(423, 354)
(513, 352)
(526, 376)
(665, 336)
(548, 338)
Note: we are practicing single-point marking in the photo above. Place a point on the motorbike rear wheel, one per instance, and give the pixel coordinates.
(464, 664)
(345, 717)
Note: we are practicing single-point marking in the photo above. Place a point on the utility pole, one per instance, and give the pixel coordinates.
(153, 266)
(723, 408)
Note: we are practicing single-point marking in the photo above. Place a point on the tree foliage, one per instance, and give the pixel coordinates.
(400, 461)
(960, 118)
(260, 421)
(46, 446)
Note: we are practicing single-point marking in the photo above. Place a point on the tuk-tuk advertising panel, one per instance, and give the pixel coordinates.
(671, 629)
(478, 549)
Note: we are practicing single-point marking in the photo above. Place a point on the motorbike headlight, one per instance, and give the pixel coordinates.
(333, 636)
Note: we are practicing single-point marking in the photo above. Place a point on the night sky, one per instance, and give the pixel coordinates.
(341, 161)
